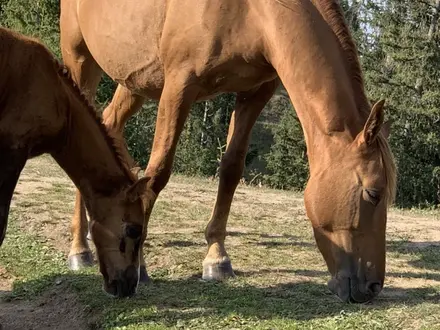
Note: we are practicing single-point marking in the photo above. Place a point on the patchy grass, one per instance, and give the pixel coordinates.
(281, 275)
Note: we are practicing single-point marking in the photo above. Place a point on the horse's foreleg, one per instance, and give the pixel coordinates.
(80, 255)
(174, 107)
(87, 74)
(248, 107)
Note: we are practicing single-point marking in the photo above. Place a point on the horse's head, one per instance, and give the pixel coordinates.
(117, 230)
(346, 200)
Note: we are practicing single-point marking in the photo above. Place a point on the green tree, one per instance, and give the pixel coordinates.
(403, 65)
(39, 18)
(287, 161)
(204, 136)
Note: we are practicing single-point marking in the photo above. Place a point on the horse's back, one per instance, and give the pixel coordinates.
(29, 91)
(219, 42)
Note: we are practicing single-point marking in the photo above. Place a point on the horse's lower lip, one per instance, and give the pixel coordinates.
(120, 288)
(346, 293)
(376, 288)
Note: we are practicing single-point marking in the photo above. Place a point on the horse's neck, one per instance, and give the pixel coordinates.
(314, 69)
(87, 157)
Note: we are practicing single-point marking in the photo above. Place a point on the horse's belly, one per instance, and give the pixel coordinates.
(145, 80)
(234, 77)
(124, 41)
(142, 74)
(137, 69)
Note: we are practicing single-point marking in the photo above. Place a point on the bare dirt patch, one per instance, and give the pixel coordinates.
(57, 309)
(422, 228)
(45, 196)
(6, 281)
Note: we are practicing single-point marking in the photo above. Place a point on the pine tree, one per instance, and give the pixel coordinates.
(402, 65)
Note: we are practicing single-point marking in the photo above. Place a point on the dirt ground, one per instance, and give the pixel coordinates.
(57, 309)
(43, 181)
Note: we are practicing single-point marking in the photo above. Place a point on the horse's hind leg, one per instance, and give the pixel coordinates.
(217, 265)
(124, 104)
(87, 74)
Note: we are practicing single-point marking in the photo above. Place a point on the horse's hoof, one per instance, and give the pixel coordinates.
(143, 275)
(80, 260)
(218, 271)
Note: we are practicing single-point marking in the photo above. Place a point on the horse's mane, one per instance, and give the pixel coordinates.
(65, 75)
(333, 15)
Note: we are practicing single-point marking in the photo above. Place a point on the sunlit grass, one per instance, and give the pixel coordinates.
(281, 277)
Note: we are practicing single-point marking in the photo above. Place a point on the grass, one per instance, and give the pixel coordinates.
(281, 275)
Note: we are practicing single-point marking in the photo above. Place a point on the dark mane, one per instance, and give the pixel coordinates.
(333, 15)
(65, 75)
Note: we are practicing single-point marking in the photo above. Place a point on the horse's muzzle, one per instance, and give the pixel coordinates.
(349, 289)
(125, 285)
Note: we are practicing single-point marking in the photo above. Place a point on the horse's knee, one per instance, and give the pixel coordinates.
(160, 175)
(108, 117)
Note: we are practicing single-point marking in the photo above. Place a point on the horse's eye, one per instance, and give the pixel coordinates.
(133, 231)
(372, 196)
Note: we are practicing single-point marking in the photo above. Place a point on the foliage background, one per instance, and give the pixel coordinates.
(398, 42)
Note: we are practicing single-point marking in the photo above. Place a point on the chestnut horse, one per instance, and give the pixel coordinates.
(182, 51)
(42, 111)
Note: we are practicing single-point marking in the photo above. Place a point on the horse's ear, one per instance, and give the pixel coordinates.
(374, 123)
(138, 189)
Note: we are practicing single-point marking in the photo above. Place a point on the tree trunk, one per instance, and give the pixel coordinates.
(435, 16)
(205, 117)
(431, 33)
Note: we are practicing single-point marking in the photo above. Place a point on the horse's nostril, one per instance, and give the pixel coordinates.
(374, 287)
(350, 290)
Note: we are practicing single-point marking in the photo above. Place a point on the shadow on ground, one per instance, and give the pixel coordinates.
(426, 254)
(168, 301)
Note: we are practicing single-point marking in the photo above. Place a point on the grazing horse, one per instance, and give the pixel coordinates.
(183, 51)
(42, 111)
